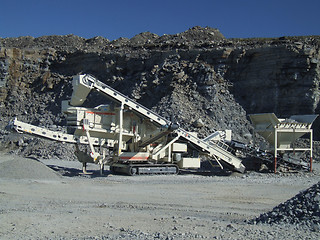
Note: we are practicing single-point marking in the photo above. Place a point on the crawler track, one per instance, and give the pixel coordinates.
(144, 169)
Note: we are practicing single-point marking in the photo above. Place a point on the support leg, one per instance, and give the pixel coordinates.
(101, 169)
(84, 168)
(311, 149)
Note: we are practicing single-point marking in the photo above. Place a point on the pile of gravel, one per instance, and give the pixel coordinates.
(34, 147)
(302, 209)
(15, 167)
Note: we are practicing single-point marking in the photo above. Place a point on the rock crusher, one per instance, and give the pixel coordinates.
(129, 137)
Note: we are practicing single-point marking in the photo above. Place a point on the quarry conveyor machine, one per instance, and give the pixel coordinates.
(282, 135)
(129, 137)
(281, 147)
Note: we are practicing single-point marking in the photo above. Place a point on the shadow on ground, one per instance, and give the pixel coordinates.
(75, 172)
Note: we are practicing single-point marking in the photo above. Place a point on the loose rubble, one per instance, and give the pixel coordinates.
(197, 78)
(15, 167)
(197, 75)
(302, 209)
(52, 199)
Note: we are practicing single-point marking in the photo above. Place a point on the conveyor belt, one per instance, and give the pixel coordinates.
(53, 135)
(92, 83)
(212, 149)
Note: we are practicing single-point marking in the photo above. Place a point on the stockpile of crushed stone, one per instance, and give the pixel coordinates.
(15, 167)
(34, 147)
(302, 209)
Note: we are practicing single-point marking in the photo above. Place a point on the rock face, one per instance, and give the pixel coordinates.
(197, 74)
(282, 78)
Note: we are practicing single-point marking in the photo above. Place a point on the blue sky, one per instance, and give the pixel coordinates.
(126, 18)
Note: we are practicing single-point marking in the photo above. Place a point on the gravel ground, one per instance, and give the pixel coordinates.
(51, 199)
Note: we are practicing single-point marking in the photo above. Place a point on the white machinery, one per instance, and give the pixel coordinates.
(281, 134)
(140, 141)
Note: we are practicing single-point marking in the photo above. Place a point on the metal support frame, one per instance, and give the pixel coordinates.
(155, 156)
(311, 149)
(120, 128)
(283, 133)
(276, 148)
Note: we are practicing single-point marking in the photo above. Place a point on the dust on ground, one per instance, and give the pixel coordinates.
(52, 199)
